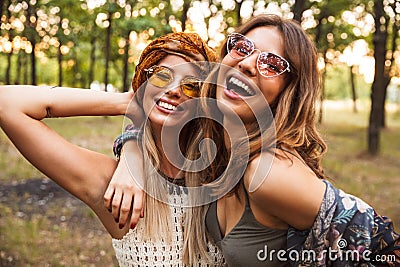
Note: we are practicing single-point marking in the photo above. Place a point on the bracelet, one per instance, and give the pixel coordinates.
(131, 133)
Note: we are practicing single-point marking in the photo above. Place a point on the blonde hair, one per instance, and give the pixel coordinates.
(157, 207)
(158, 220)
(154, 209)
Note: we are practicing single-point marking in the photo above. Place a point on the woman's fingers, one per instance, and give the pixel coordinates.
(116, 204)
(138, 207)
(125, 208)
(108, 196)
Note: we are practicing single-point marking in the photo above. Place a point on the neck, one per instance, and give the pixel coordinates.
(234, 131)
(168, 147)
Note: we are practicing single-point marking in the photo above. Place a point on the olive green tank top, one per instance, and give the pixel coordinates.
(249, 243)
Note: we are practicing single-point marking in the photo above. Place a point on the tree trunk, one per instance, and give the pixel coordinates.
(10, 36)
(322, 96)
(19, 68)
(353, 88)
(107, 50)
(32, 38)
(318, 36)
(26, 69)
(238, 7)
(77, 81)
(380, 81)
(33, 62)
(126, 81)
(298, 9)
(59, 59)
(382, 101)
(8, 68)
(2, 4)
(186, 6)
(92, 60)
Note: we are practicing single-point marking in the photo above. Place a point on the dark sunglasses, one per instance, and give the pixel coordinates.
(268, 64)
(162, 76)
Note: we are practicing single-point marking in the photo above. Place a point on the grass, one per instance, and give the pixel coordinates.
(44, 239)
(94, 133)
(39, 241)
(376, 180)
(65, 233)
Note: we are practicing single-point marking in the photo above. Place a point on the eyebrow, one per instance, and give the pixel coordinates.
(172, 70)
(196, 70)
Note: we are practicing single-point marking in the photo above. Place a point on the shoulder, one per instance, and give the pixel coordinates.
(270, 171)
(283, 186)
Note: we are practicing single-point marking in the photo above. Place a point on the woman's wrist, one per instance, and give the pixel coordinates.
(131, 132)
(123, 102)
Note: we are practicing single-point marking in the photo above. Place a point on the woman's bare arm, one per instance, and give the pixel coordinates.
(82, 172)
(38, 101)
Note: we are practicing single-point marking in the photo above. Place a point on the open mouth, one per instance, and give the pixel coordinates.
(168, 106)
(239, 87)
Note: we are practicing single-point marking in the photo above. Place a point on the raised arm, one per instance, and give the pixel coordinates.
(40, 101)
(82, 172)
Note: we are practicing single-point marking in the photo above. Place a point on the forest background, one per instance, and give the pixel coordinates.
(93, 43)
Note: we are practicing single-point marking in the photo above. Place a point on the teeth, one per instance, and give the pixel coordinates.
(242, 85)
(166, 105)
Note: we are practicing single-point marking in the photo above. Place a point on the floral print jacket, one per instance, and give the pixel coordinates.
(346, 232)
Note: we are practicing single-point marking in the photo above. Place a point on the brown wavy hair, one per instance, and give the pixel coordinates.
(294, 109)
(294, 115)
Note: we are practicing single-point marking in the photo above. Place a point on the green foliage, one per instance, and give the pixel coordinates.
(338, 86)
(77, 27)
(81, 29)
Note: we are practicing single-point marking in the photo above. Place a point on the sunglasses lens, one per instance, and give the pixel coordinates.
(268, 64)
(160, 77)
(271, 65)
(191, 87)
(239, 46)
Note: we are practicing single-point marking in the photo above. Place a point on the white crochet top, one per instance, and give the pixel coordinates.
(132, 250)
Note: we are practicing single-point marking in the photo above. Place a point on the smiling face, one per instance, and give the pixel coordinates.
(164, 102)
(240, 83)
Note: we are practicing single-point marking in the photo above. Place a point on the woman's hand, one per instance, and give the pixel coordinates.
(124, 196)
(135, 110)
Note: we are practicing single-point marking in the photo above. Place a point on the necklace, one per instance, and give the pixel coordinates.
(175, 181)
(176, 184)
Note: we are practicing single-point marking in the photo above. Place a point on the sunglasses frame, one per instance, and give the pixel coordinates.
(259, 55)
(152, 70)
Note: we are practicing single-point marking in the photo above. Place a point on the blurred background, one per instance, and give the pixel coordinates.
(96, 44)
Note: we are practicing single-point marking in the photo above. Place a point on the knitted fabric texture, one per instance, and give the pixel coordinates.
(132, 250)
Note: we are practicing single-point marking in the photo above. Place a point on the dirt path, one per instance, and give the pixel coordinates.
(43, 198)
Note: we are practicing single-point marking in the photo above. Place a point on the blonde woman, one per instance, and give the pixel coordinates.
(167, 89)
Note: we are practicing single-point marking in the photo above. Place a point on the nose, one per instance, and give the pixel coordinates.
(248, 65)
(174, 89)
